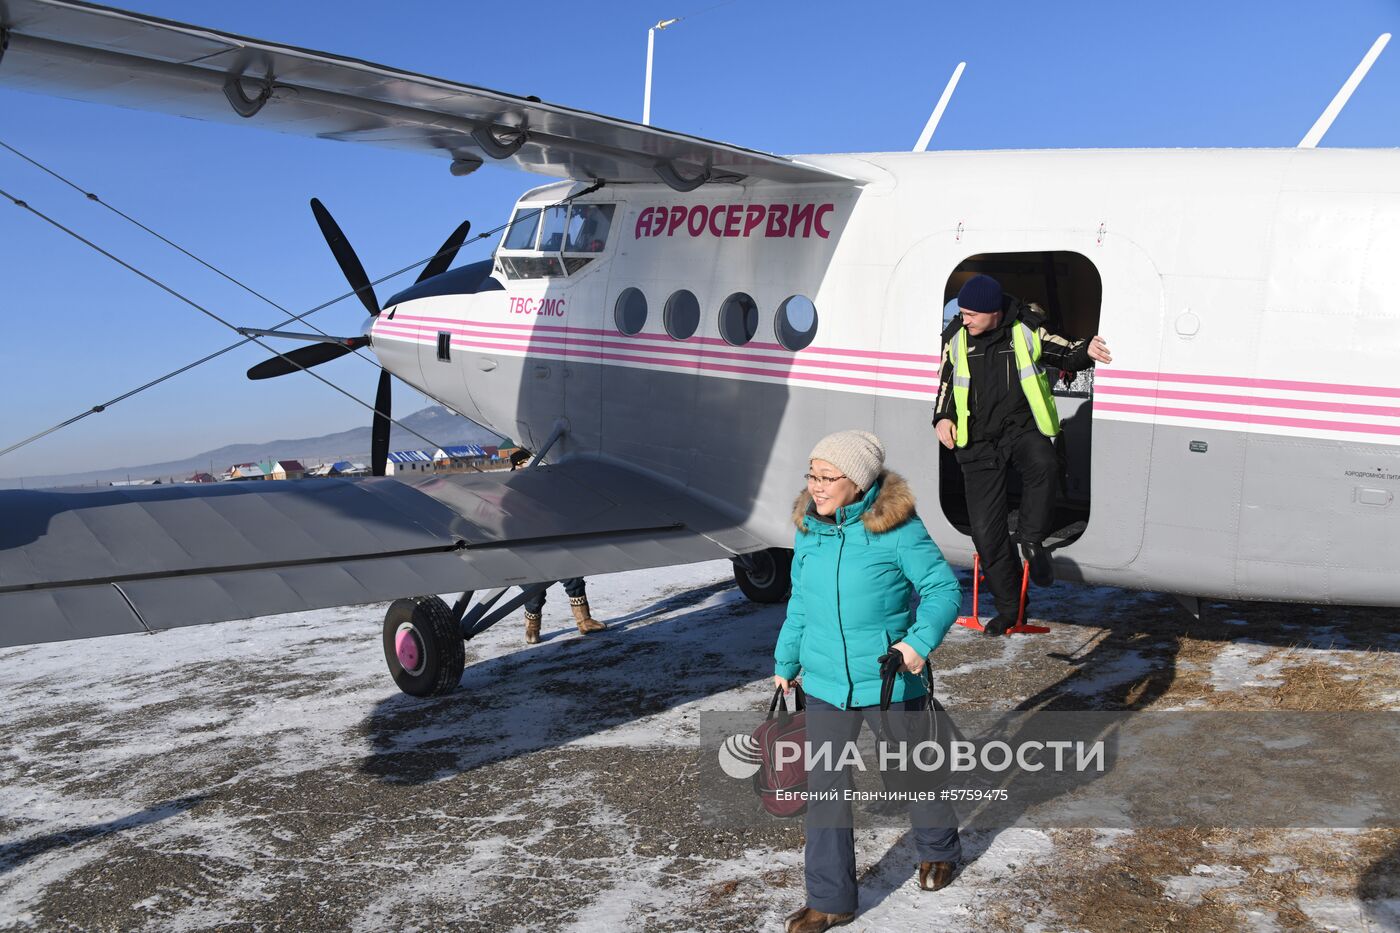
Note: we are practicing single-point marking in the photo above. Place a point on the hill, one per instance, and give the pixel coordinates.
(434, 422)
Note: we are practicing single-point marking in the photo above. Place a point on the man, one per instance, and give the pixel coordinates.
(995, 411)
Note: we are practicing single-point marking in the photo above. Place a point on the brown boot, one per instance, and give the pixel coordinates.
(811, 920)
(532, 628)
(934, 876)
(586, 622)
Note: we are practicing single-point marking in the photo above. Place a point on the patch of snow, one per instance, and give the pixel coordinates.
(1244, 664)
(1190, 889)
(1125, 668)
(1345, 914)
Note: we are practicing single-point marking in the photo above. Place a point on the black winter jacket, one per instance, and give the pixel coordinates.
(997, 406)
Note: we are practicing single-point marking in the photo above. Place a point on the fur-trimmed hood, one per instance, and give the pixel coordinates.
(893, 506)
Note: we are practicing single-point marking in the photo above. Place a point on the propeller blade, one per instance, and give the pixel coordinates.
(379, 430)
(310, 355)
(345, 255)
(446, 253)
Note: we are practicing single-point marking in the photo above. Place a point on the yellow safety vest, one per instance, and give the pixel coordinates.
(1034, 382)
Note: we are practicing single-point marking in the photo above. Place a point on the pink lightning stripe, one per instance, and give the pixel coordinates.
(1248, 382)
(1388, 411)
(615, 342)
(708, 341)
(1240, 418)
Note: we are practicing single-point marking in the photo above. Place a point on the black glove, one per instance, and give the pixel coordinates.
(889, 674)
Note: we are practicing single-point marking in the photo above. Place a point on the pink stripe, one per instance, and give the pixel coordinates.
(680, 349)
(1247, 382)
(1236, 418)
(1257, 401)
(709, 341)
(712, 367)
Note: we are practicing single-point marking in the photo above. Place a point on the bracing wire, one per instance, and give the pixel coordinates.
(292, 318)
(193, 304)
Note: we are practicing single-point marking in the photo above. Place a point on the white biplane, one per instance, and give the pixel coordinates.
(675, 320)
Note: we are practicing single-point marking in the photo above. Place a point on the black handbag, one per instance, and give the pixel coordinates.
(931, 724)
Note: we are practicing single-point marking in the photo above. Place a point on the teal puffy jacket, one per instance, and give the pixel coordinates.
(852, 579)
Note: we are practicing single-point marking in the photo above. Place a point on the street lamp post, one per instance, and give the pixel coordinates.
(651, 44)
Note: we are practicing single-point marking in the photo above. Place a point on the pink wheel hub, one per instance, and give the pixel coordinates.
(408, 649)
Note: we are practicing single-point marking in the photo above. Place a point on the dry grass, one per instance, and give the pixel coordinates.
(1121, 887)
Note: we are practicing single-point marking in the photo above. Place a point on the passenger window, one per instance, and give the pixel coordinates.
(738, 319)
(682, 315)
(521, 234)
(796, 322)
(630, 312)
(588, 227)
(552, 233)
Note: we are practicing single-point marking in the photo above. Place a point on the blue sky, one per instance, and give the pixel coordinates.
(787, 77)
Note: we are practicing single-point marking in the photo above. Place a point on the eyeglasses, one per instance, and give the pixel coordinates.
(821, 482)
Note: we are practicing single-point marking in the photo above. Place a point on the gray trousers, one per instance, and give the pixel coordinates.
(831, 841)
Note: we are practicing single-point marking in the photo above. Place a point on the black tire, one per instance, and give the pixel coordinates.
(770, 579)
(437, 637)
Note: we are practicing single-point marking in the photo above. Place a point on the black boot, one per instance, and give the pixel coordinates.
(996, 627)
(1042, 571)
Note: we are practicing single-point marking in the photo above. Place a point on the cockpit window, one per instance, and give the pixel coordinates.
(552, 236)
(548, 231)
(521, 234)
(588, 227)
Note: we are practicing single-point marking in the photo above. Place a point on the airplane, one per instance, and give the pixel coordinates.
(673, 321)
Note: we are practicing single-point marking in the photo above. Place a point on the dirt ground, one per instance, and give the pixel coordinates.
(267, 775)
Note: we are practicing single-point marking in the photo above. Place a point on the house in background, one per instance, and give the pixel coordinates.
(408, 462)
(459, 458)
(288, 469)
(348, 468)
(245, 471)
(203, 478)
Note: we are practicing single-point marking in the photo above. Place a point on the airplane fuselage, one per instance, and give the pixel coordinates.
(1244, 443)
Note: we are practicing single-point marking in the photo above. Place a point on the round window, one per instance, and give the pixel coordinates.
(796, 322)
(682, 315)
(738, 319)
(630, 312)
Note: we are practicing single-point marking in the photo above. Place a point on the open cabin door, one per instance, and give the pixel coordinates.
(1087, 285)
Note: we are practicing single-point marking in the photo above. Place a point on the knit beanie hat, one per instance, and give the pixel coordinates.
(858, 454)
(980, 293)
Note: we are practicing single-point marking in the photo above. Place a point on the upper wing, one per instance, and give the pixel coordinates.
(83, 562)
(98, 53)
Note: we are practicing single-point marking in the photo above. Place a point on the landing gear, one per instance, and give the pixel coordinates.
(424, 647)
(765, 576)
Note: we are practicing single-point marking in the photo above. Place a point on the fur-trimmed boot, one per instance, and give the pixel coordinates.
(532, 628)
(586, 622)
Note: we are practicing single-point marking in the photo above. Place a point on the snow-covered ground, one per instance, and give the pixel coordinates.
(267, 774)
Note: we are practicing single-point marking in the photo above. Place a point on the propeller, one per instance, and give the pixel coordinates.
(305, 357)
(323, 352)
(344, 254)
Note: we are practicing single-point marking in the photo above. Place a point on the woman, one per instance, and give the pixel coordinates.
(861, 553)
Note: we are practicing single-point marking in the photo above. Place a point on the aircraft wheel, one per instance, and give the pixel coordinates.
(765, 576)
(423, 646)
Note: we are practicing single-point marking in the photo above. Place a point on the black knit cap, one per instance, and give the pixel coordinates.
(980, 293)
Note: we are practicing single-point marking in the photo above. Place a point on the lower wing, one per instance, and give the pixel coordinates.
(84, 562)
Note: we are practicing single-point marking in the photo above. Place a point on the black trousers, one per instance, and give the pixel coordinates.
(984, 466)
(572, 586)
